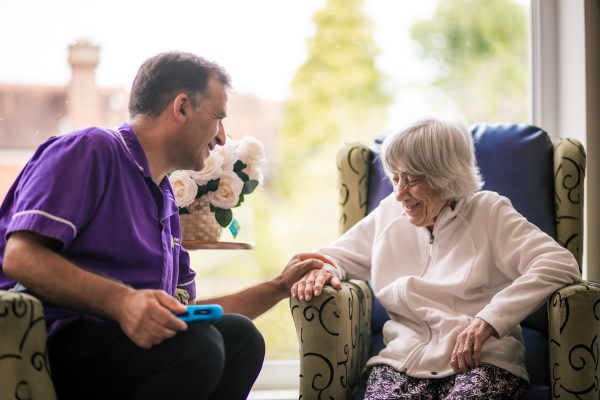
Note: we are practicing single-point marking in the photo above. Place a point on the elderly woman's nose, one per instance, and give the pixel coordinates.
(401, 191)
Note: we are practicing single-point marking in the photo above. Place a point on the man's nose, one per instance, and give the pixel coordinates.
(221, 137)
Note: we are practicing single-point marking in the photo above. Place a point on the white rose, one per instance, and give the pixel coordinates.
(227, 151)
(254, 173)
(227, 194)
(251, 151)
(212, 169)
(184, 188)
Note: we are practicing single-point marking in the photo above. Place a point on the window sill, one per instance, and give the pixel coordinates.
(277, 380)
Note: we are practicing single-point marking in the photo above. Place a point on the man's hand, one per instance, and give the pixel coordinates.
(312, 282)
(146, 317)
(298, 268)
(467, 351)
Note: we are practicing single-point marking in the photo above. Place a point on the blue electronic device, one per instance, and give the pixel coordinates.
(202, 312)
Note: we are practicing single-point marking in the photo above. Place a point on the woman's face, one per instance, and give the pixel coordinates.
(422, 203)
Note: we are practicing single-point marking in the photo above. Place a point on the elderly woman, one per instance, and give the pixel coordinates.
(456, 269)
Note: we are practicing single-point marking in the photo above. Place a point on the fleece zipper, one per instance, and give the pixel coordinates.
(417, 350)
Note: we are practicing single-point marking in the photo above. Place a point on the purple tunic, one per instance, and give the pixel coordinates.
(92, 191)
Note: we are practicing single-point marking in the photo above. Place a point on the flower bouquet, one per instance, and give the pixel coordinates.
(230, 172)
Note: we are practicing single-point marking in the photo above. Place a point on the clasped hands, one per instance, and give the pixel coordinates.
(311, 283)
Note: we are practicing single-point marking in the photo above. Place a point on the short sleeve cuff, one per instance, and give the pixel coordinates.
(190, 288)
(44, 224)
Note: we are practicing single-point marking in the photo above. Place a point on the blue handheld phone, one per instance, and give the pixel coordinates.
(202, 312)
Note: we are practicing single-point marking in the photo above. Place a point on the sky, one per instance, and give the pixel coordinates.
(260, 42)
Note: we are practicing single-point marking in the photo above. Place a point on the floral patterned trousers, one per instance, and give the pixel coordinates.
(484, 382)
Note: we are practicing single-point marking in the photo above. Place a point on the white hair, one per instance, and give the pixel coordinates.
(440, 150)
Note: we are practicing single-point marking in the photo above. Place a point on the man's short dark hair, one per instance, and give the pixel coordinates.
(162, 77)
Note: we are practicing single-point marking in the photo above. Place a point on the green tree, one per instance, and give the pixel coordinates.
(480, 48)
(337, 94)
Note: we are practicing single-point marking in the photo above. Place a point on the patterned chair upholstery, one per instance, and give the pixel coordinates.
(24, 368)
(339, 330)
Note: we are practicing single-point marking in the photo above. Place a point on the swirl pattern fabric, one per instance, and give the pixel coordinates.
(334, 332)
(574, 349)
(353, 164)
(24, 368)
(569, 176)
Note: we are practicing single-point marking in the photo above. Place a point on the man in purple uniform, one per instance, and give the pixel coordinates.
(91, 227)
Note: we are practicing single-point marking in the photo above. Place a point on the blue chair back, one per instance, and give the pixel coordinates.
(517, 162)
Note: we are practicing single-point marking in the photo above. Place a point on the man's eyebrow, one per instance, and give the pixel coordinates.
(221, 115)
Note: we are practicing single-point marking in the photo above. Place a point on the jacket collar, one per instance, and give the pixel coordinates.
(134, 148)
(130, 141)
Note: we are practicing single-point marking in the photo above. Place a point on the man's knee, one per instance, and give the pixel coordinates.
(239, 331)
(200, 347)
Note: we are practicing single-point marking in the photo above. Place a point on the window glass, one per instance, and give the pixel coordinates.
(307, 75)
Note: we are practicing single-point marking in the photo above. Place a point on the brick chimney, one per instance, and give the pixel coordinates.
(83, 105)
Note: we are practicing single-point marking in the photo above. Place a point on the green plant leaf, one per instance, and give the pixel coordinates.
(243, 176)
(240, 200)
(213, 184)
(238, 166)
(249, 186)
(183, 210)
(223, 216)
(202, 190)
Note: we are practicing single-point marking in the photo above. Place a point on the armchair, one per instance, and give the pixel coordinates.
(339, 330)
(24, 367)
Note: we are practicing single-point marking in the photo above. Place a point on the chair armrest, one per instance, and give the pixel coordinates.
(353, 163)
(574, 313)
(569, 177)
(24, 367)
(334, 334)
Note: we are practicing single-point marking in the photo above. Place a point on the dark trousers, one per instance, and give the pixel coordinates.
(210, 360)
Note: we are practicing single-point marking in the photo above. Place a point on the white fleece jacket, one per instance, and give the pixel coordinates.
(483, 259)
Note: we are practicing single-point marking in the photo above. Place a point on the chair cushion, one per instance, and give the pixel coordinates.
(378, 317)
(537, 392)
(379, 184)
(536, 356)
(517, 162)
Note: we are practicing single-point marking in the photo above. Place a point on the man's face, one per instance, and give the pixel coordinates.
(204, 129)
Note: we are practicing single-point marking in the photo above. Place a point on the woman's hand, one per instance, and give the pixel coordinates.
(311, 284)
(467, 351)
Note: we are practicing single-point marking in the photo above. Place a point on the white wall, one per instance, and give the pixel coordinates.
(565, 93)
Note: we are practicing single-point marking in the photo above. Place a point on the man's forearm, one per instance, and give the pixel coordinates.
(251, 302)
(259, 299)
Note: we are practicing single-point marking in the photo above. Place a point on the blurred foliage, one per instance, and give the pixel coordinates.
(480, 48)
(336, 94)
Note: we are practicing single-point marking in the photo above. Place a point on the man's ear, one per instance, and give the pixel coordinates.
(181, 105)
